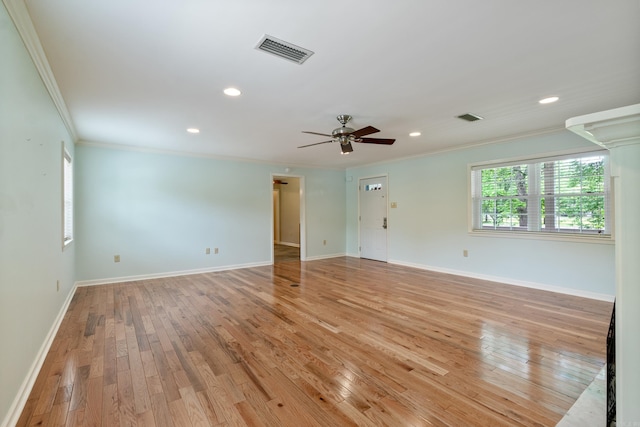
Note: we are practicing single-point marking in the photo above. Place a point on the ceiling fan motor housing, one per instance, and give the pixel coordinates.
(343, 131)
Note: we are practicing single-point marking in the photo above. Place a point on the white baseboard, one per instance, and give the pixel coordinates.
(293, 245)
(16, 408)
(317, 257)
(106, 281)
(510, 281)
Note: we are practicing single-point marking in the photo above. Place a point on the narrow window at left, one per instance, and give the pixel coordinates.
(67, 195)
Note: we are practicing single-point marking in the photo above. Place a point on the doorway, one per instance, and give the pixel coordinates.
(373, 218)
(288, 218)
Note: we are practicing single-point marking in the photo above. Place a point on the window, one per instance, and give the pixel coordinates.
(563, 194)
(67, 196)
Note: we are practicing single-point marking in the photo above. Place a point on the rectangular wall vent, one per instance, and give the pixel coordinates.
(470, 117)
(283, 49)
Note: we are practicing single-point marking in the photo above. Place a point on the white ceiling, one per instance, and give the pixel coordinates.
(138, 73)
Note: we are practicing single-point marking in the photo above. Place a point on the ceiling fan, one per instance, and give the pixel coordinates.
(346, 135)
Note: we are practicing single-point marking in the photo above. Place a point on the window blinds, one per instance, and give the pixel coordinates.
(562, 194)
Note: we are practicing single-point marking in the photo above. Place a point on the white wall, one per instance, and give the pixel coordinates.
(159, 212)
(31, 255)
(429, 227)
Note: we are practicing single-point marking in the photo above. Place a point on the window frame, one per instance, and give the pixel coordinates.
(536, 159)
(67, 198)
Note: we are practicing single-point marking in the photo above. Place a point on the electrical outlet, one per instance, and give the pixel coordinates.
(207, 251)
(116, 258)
(394, 205)
(57, 285)
(215, 250)
(465, 253)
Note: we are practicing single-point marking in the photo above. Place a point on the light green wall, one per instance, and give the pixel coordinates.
(429, 227)
(31, 255)
(159, 212)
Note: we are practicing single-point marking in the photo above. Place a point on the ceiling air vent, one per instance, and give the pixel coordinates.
(470, 117)
(283, 49)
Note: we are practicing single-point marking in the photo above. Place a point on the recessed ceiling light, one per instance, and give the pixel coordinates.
(232, 91)
(193, 130)
(548, 100)
(415, 134)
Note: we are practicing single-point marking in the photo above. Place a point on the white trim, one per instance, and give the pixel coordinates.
(542, 235)
(303, 218)
(124, 147)
(293, 245)
(16, 408)
(609, 129)
(532, 158)
(604, 239)
(360, 179)
(510, 281)
(20, 15)
(275, 200)
(471, 145)
(601, 116)
(319, 257)
(122, 279)
(67, 157)
(303, 215)
(134, 148)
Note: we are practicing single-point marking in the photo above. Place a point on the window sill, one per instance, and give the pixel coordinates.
(560, 237)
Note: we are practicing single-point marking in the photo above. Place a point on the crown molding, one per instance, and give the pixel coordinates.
(22, 20)
(610, 128)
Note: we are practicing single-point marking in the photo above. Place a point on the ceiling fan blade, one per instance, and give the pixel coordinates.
(384, 141)
(316, 133)
(317, 143)
(365, 131)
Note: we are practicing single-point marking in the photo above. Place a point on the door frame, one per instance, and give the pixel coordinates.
(276, 215)
(360, 179)
(303, 225)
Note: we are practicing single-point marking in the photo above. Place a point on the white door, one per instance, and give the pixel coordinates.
(373, 218)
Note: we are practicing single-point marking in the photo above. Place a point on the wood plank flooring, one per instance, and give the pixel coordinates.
(283, 253)
(336, 342)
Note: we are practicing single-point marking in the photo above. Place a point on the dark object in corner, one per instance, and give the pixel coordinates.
(611, 370)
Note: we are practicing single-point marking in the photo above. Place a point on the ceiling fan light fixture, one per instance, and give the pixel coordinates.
(414, 134)
(345, 147)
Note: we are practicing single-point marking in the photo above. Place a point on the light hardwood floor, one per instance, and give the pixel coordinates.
(283, 253)
(335, 342)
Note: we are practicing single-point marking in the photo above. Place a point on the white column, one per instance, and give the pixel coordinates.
(619, 131)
